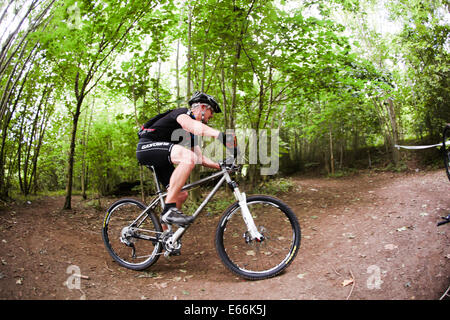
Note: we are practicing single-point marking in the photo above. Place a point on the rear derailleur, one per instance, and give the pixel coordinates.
(127, 238)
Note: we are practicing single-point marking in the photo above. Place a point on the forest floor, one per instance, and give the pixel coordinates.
(371, 235)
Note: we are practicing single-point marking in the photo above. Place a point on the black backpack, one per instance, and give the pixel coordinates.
(145, 129)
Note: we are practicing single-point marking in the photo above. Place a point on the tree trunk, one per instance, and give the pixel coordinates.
(158, 79)
(234, 86)
(188, 75)
(331, 152)
(85, 142)
(224, 97)
(394, 131)
(76, 116)
(43, 127)
(178, 75)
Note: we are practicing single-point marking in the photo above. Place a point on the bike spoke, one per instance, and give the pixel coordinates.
(259, 257)
(134, 246)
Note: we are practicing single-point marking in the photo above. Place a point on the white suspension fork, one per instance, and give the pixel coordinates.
(246, 215)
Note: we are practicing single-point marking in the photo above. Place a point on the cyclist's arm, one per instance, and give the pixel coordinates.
(206, 162)
(196, 127)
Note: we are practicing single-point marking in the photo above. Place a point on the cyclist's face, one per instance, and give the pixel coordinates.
(208, 114)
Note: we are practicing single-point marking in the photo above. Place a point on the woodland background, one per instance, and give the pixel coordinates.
(343, 81)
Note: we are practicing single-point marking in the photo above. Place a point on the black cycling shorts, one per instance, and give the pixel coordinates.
(157, 154)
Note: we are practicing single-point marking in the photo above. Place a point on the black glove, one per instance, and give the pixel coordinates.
(228, 139)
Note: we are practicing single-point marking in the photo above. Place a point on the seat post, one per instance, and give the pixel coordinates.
(156, 179)
(158, 188)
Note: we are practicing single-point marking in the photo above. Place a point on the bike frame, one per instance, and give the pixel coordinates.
(225, 176)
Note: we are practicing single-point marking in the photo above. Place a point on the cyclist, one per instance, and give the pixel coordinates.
(172, 139)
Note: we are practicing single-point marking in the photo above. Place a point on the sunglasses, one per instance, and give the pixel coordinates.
(208, 107)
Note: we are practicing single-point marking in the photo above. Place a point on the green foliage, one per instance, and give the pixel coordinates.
(275, 186)
(318, 71)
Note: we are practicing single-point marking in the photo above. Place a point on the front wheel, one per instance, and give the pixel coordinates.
(249, 258)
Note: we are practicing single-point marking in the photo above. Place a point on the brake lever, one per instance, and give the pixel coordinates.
(229, 165)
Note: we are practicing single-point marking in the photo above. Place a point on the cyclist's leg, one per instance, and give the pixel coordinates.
(182, 196)
(157, 154)
(185, 161)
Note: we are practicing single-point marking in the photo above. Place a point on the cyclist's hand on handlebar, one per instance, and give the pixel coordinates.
(228, 139)
(227, 163)
(230, 164)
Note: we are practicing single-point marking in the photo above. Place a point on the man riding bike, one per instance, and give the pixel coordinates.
(171, 139)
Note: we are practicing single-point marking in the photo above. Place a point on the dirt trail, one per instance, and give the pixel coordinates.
(368, 236)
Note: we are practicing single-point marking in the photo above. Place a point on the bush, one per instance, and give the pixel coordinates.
(274, 186)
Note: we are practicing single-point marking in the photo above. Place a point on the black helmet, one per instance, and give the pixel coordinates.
(205, 98)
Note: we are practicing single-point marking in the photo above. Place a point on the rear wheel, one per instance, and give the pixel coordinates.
(255, 260)
(132, 243)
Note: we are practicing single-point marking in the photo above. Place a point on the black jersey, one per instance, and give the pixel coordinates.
(167, 129)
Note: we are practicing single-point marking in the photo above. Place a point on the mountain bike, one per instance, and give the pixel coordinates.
(257, 237)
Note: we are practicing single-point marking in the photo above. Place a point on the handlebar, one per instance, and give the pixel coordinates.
(230, 164)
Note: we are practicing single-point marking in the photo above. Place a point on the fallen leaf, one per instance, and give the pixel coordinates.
(349, 235)
(147, 274)
(347, 282)
(390, 246)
